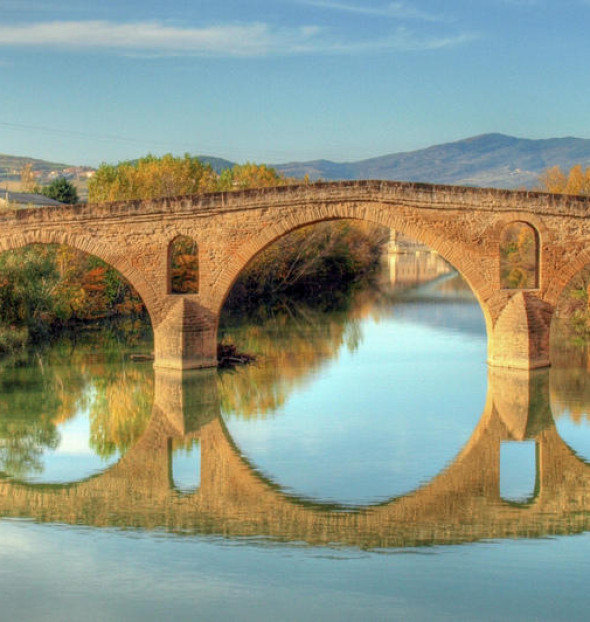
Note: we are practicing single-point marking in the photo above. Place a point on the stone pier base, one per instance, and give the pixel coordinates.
(186, 338)
(520, 337)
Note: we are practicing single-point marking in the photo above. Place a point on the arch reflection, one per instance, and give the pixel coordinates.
(462, 503)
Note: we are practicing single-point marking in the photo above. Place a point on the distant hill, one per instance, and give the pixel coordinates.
(11, 166)
(489, 160)
(492, 160)
(217, 164)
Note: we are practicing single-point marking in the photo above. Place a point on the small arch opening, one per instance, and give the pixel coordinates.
(183, 266)
(186, 465)
(519, 256)
(518, 471)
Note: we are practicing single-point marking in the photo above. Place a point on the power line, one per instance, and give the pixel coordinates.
(103, 137)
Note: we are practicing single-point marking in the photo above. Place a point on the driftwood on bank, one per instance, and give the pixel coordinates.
(227, 356)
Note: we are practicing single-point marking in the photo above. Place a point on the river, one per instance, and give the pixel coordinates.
(369, 466)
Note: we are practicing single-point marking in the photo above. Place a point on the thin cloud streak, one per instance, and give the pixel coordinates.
(154, 39)
(393, 10)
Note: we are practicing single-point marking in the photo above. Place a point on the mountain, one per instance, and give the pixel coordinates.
(217, 164)
(492, 160)
(489, 160)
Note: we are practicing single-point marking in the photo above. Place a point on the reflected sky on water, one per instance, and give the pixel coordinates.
(370, 423)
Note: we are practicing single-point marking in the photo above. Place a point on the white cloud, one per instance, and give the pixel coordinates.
(235, 40)
(394, 10)
(402, 40)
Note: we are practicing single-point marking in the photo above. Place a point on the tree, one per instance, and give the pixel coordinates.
(250, 175)
(576, 181)
(27, 178)
(27, 278)
(61, 190)
(151, 178)
(154, 177)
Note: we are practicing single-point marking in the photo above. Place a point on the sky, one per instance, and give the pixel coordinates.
(84, 82)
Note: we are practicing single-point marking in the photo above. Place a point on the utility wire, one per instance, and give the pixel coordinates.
(104, 137)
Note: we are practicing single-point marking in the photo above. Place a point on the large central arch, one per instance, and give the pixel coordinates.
(308, 217)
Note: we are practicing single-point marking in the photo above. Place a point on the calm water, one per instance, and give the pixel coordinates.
(369, 467)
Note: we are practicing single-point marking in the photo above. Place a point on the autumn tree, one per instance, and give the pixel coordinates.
(313, 263)
(576, 181)
(250, 175)
(151, 177)
(518, 257)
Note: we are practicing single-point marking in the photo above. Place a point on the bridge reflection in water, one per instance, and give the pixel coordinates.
(461, 504)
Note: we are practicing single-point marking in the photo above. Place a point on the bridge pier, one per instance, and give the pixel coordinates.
(520, 336)
(188, 399)
(186, 338)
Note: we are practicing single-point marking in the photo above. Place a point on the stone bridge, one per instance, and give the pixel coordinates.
(464, 225)
(462, 503)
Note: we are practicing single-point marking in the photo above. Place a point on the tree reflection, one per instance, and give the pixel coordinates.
(45, 391)
(120, 410)
(293, 340)
(290, 347)
(28, 409)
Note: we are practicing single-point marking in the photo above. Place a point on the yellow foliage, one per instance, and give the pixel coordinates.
(576, 181)
(250, 175)
(151, 178)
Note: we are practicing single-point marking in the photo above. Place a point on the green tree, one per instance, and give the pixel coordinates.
(61, 190)
(27, 278)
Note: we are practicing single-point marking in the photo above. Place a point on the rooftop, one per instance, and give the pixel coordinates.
(25, 199)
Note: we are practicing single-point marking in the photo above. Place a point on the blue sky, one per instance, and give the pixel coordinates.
(279, 80)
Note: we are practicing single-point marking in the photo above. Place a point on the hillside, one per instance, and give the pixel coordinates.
(11, 166)
(492, 160)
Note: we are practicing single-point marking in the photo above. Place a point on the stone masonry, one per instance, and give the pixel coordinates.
(462, 224)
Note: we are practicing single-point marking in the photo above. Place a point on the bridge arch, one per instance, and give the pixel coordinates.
(377, 214)
(113, 257)
(461, 223)
(568, 272)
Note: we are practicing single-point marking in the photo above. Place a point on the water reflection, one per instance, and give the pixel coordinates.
(462, 503)
(73, 409)
(170, 458)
